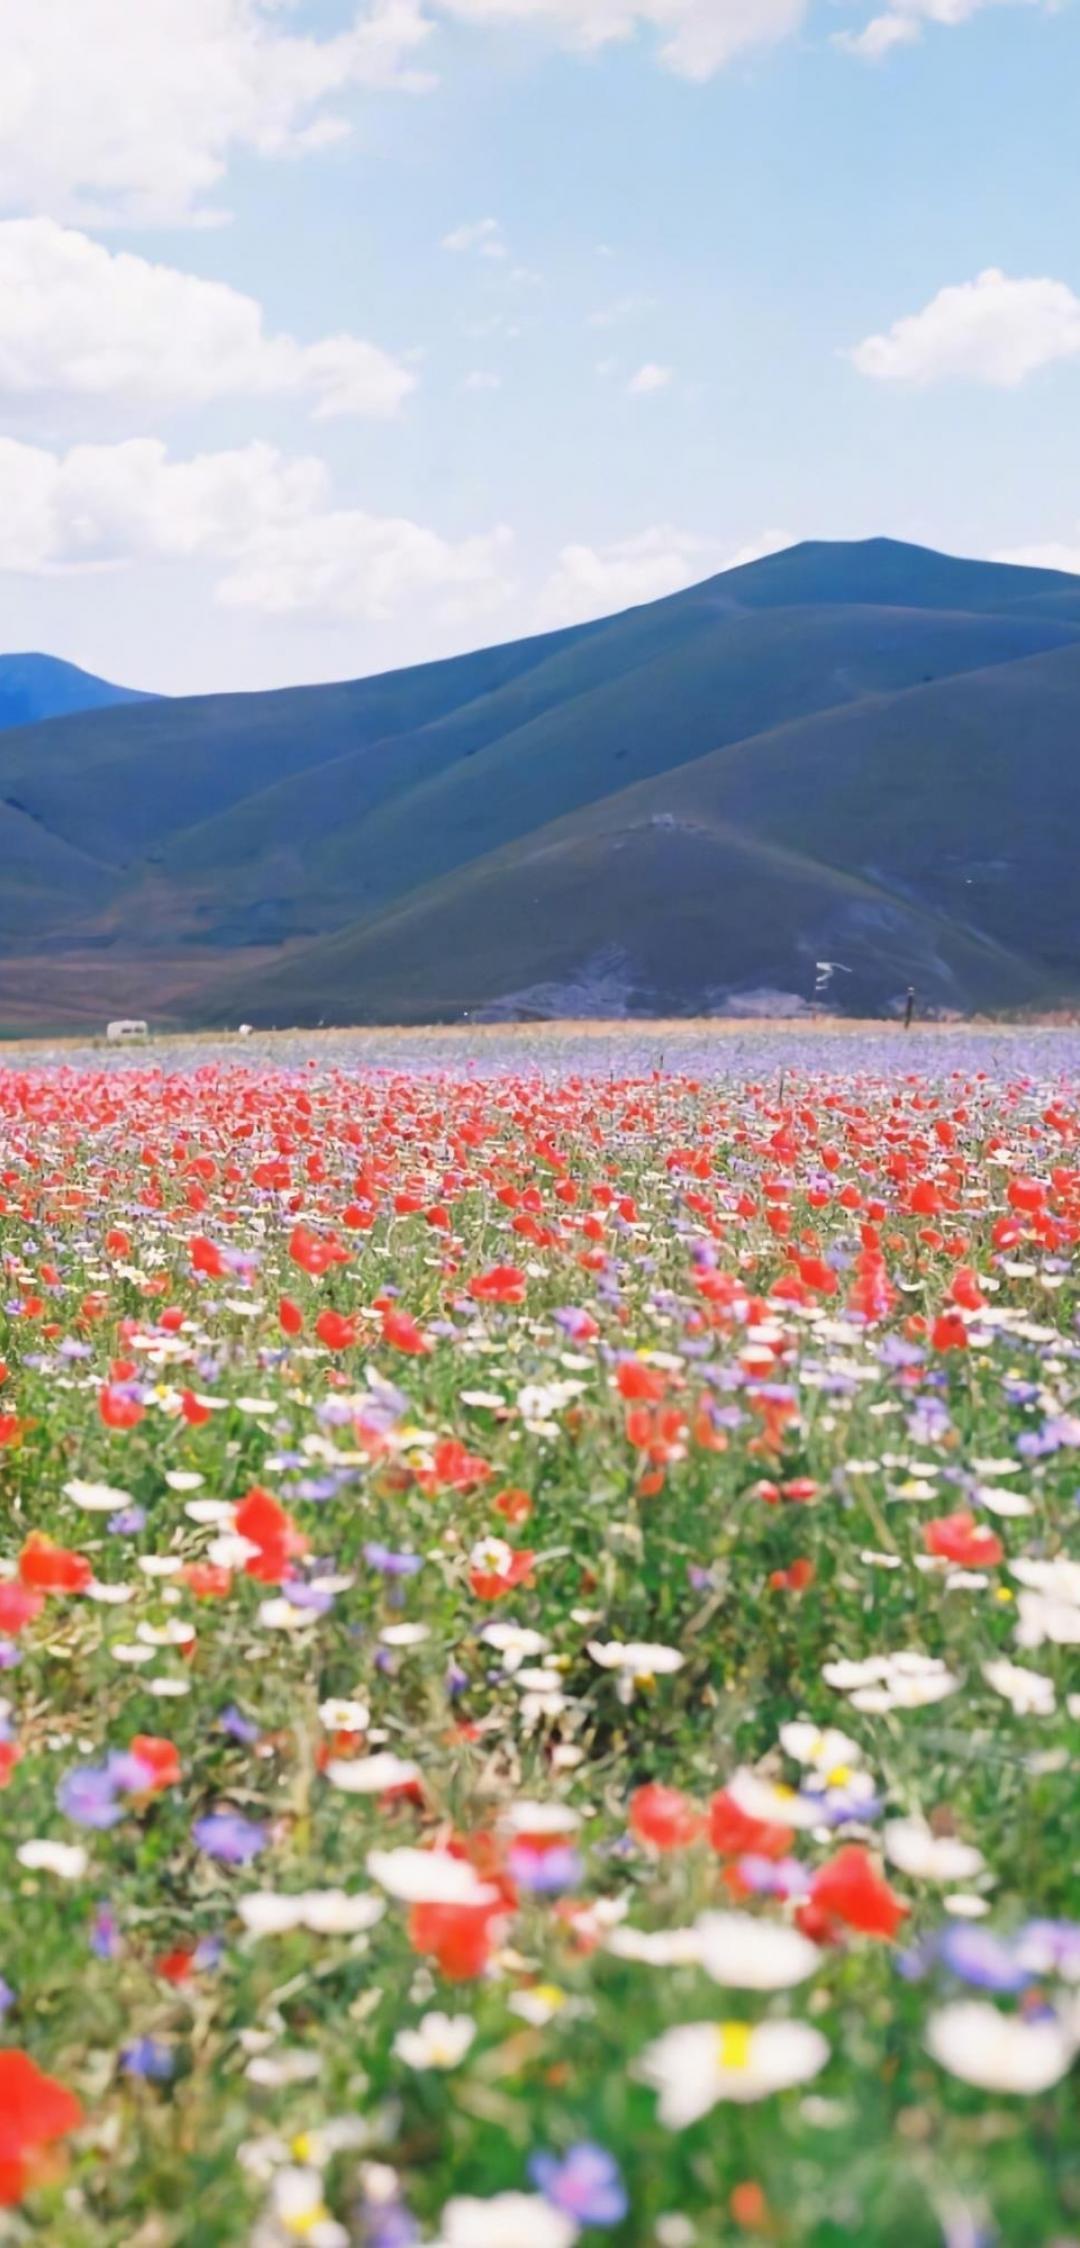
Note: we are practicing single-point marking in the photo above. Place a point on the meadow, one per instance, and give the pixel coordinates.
(539, 1622)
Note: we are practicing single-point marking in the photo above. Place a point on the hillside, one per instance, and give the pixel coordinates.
(863, 753)
(34, 687)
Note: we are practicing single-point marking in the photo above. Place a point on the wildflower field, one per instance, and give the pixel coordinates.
(540, 1633)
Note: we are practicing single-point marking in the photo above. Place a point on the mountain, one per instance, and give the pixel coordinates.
(34, 687)
(868, 754)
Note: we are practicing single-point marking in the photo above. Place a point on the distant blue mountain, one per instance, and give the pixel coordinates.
(33, 687)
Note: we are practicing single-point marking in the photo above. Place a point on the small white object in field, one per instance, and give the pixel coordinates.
(118, 1031)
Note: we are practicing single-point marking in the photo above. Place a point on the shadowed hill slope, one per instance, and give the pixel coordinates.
(364, 830)
(868, 753)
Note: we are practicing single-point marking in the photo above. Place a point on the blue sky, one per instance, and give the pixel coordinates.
(525, 309)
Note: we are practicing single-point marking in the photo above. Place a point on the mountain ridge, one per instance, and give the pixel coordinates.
(864, 744)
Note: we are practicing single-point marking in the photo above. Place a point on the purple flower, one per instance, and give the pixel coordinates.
(7, 1997)
(587, 2184)
(225, 1835)
(313, 1597)
(88, 1795)
(545, 1873)
(105, 1940)
(391, 1564)
(1051, 1947)
(147, 2058)
(773, 1877)
(128, 1522)
(319, 1488)
(238, 1727)
(981, 1958)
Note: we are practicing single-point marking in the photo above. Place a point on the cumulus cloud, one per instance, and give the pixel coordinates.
(648, 380)
(265, 523)
(81, 321)
(697, 37)
(904, 23)
(134, 108)
(597, 581)
(991, 330)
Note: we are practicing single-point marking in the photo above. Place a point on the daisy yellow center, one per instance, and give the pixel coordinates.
(306, 2221)
(733, 2042)
(839, 1776)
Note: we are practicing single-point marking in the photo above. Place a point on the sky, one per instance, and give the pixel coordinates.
(343, 334)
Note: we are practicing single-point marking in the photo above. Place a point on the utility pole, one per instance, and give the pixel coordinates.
(909, 1007)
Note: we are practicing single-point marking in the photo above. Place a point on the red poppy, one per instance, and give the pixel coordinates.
(514, 1506)
(453, 1468)
(503, 1284)
(207, 1580)
(460, 1938)
(46, 1567)
(35, 2111)
(665, 1817)
(640, 1384)
(798, 1578)
(161, 1758)
(18, 1607)
(734, 1834)
(118, 1408)
(492, 1583)
(314, 1255)
(948, 1332)
(850, 1890)
(290, 1317)
(961, 1538)
(206, 1257)
(271, 1529)
(400, 1330)
(335, 1330)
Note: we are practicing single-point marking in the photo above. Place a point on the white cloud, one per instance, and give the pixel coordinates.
(134, 108)
(264, 522)
(1053, 555)
(648, 380)
(697, 36)
(78, 320)
(348, 564)
(590, 581)
(992, 330)
(903, 23)
(480, 379)
(485, 236)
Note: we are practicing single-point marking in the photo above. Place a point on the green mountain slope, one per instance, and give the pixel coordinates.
(351, 838)
(617, 911)
(46, 883)
(120, 781)
(868, 753)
